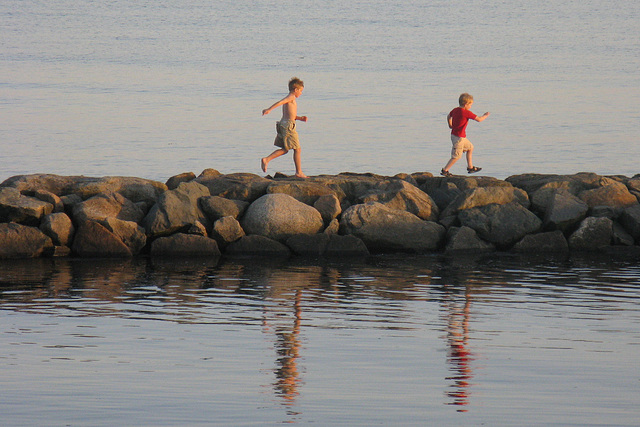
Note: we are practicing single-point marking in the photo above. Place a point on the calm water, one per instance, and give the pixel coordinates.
(385, 341)
(155, 88)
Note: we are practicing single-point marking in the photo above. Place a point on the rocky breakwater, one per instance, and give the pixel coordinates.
(348, 214)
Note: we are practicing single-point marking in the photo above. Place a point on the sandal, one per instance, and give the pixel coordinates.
(445, 173)
(474, 169)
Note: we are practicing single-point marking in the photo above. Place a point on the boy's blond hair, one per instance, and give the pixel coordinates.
(295, 83)
(464, 99)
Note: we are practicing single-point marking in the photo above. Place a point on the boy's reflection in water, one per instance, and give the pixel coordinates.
(459, 356)
(288, 347)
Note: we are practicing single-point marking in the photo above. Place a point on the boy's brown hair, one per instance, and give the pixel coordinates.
(294, 83)
(464, 99)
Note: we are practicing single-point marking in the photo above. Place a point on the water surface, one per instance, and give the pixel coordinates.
(403, 340)
(153, 89)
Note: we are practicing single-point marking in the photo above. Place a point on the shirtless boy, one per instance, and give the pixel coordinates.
(287, 136)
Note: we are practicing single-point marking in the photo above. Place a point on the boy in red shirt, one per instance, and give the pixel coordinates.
(458, 119)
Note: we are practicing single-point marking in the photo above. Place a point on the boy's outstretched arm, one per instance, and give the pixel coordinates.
(287, 99)
(482, 117)
(449, 121)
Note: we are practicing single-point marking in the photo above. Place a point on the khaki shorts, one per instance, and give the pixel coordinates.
(287, 136)
(460, 145)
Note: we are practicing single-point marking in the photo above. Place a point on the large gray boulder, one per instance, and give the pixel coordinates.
(279, 216)
(185, 245)
(502, 225)
(565, 211)
(483, 196)
(21, 241)
(59, 228)
(592, 235)
(384, 229)
(551, 241)
(15, 207)
(401, 195)
(107, 205)
(176, 210)
(93, 240)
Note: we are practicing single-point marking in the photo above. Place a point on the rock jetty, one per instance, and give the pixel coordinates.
(348, 214)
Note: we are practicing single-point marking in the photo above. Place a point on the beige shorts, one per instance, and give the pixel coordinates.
(460, 145)
(287, 136)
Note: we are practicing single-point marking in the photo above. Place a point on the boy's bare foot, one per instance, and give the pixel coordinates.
(301, 175)
(263, 164)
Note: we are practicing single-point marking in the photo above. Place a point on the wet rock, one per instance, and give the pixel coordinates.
(15, 207)
(184, 245)
(255, 245)
(94, 240)
(308, 244)
(21, 241)
(502, 225)
(465, 239)
(176, 210)
(620, 236)
(593, 234)
(349, 245)
(551, 241)
(59, 228)
(325, 245)
(382, 228)
(279, 216)
(630, 220)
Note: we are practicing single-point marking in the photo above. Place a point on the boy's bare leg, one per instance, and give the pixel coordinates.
(297, 161)
(449, 164)
(470, 159)
(264, 162)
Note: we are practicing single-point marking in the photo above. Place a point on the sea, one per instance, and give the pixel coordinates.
(155, 88)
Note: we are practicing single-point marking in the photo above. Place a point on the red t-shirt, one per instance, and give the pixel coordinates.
(460, 119)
